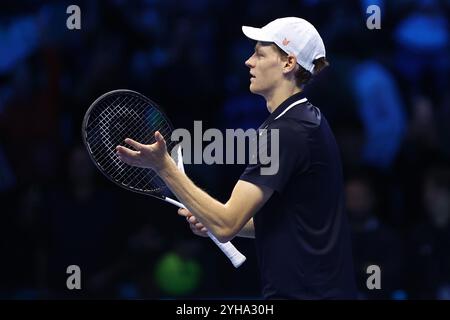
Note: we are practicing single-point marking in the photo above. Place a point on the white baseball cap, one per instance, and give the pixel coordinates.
(294, 36)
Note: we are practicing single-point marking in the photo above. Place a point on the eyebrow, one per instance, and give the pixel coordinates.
(258, 45)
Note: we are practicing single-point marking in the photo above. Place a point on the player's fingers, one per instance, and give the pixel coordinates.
(159, 137)
(127, 155)
(138, 146)
(184, 212)
(125, 151)
(199, 226)
(193, 228)
(199, 233)
(192, 220)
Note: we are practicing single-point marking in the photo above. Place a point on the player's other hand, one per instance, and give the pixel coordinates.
(196, 227)
(153, 156)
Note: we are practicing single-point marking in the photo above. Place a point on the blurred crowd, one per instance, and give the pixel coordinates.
(386, 96)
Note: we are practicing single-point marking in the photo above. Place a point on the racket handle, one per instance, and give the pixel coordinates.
(236, 258)
(230, 251)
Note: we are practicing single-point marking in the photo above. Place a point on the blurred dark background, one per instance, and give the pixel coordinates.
(386, 96)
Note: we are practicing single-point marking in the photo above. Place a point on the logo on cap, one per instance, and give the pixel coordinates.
(285, 42)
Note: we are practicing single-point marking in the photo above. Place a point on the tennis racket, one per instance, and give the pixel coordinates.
(121, 114)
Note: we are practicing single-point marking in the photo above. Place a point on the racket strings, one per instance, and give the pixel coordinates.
(126, 116)
(134, 177)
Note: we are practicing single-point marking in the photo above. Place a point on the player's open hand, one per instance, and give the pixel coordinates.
(153, 156)
(196, 227)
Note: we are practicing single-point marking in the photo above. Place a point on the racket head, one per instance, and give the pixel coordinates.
(121, 114)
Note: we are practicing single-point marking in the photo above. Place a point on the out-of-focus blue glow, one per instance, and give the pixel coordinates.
(17, 41)
(381, 111)
(420, 31)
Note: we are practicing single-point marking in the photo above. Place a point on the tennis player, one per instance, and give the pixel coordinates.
(297, 214)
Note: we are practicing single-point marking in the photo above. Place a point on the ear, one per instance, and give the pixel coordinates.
(289, 64)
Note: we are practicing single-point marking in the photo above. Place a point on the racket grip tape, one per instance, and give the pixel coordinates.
(236, 258)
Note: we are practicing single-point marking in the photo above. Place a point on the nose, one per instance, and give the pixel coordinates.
(249, 63)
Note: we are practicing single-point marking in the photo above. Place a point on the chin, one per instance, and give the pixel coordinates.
(256, 91)
(253, 89)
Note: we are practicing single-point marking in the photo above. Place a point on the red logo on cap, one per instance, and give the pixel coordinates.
(285, 42)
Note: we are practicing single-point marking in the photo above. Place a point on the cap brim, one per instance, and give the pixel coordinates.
(256, 34)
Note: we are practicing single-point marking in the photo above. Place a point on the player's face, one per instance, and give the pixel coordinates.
(265, 69)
